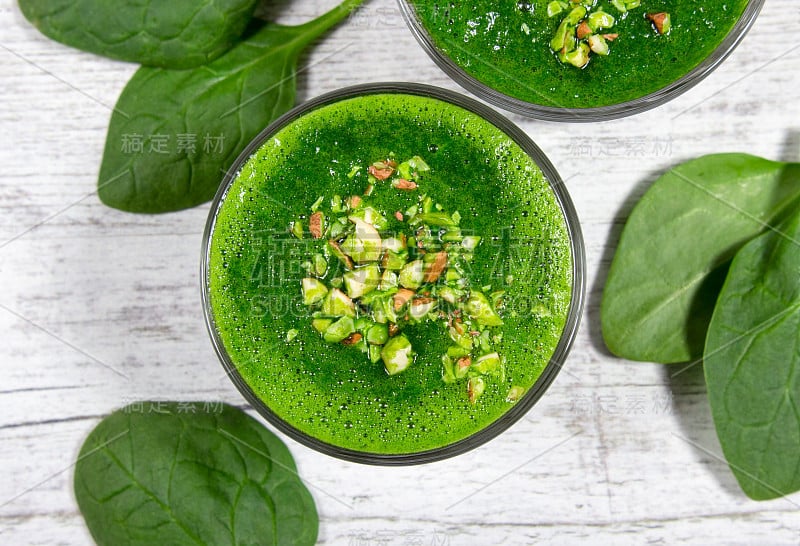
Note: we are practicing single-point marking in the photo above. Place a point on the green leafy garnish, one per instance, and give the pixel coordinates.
(217, 109)
(188, 473)
(676, 248)
(175, 34)
(752, 364)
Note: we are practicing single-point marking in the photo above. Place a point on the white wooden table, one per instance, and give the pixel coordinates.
(99, 308)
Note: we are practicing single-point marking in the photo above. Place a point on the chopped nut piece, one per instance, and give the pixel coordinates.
(479, 308)
(364, 244)
(296, 228)
(398, 215)
(352, 339)
(362, 280)
(403, 184)
(554, 8)
(314, 291)
(393, 329)
(562, 37)
(464, 362)
(598, 44)
(381, 173)
(600, 20)
(337, 250)
(412, 275)
(315, 225)
(661, 21)
(338, 304)
(434, 270)
(339, 330)
(584, 30)
(420, 307)
(402, 297)
(489, 364)
(394, 261)
(354, 201)
(611, 37)
(578, 57)
(475, 388)
(397, 354)
(377, 334)
(514, 394)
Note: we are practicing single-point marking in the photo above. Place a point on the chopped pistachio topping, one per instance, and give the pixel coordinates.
(320, 265)
(338, 304)
(375, 272)
(296, 228)
(581, 31)
(339, 330)
(412, 275)
(479, 308)
(661, 21)
(314, 291)
(362, 280)
(514, 394)
(625, 5)
(555, 7)
(321, 324)
(598, 44)
(475, 387)
(490, 364)
(397, 354)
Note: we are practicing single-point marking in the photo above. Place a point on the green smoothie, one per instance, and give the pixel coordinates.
(508, 46)
(270, 270)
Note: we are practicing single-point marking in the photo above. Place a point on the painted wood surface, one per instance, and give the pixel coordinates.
(99, 308)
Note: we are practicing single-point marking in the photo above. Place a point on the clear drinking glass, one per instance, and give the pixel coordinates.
(559, 355)
(575, 115)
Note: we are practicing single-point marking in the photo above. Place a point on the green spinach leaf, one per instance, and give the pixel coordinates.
(174, 34)
(676, 248)
(190, 473)
(173, 133)
(752, 364)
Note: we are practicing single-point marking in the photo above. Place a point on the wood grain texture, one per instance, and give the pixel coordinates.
(99, 308)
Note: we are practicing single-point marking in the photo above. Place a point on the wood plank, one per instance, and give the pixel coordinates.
(99, 308)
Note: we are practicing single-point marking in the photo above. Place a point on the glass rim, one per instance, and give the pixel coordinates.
(568, 333)
(583, 115)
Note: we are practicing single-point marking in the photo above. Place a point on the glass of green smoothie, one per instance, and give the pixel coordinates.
(392, 273)
(579, 60)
